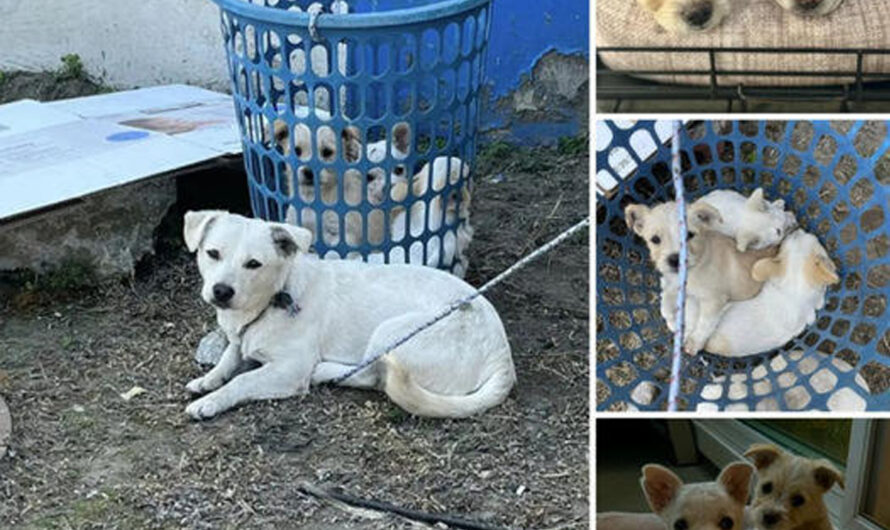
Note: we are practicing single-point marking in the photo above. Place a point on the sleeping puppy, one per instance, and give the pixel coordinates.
(310, 320)
(687, 16)
(789, 490)
(754, 222)
(716, 505)
(795, 286)
(810, 7)
(718, 272)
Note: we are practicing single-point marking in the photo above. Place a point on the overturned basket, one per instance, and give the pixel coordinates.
(835, 176)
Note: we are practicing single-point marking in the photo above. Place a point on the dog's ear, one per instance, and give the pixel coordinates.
(352, 144)
(634, 216)
(196, 224)
(824, 270)
(736, 480)
(779, 204)
(660, 486)
(763, 455)
(755, 202)
(401, 139)
(288, 239)
(704, 215)
(826, 475)
(767, 268)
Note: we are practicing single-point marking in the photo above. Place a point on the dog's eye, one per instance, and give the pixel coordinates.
(213, 253)
(767, 488)
(253, 264)
(399, 171)
(655, 240)
(681, 524)
(726, 523)
(778, 231)
(299, 151)
(327, 152)
(689, 236)
(797, 501)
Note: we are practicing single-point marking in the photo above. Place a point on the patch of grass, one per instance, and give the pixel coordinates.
(71, 275)
(72, 68)
(572, 145)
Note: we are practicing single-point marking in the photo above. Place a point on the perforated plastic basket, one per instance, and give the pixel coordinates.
(382, 64)
(835, 177)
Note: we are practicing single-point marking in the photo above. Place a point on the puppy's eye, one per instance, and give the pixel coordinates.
(213, 253)
(327, 152)
(726, 523)
(767, 488)
(399, 171)
(778, 231)
(655, 240)
(681, 524)
(299, 151)
(689, 236)
(797, 501)
(253, 264)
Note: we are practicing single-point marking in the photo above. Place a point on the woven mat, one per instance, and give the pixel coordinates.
(752, 23)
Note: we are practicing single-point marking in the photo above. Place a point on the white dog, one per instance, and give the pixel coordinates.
(754, 222)
(308, 320)
(687, 16)
(795, 286)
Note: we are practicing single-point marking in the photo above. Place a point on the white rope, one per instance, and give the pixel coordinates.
(547, 247)
(679, 194)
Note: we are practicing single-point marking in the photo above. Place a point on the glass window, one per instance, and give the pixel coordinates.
(877, 492)
(812, 438)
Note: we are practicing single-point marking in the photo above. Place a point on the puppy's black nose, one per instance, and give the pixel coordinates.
(771, 518)
(223, 293)
(700, 15)
(307, 175)
(807, 5)
(674, 261)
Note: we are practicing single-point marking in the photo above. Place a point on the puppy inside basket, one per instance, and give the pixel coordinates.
(755, 279)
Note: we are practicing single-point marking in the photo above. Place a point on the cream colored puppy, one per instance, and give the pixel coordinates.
(310, 320)
(795, 286)
(810, 7)
(718, 272)
(716, 505)
(687, 16)
(753, 222)
(789, 490)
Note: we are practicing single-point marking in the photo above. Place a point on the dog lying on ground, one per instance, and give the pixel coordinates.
(795, 286)
(753, 222)
(718, 272)
(309, 320)
(789, 490)
(716, 505)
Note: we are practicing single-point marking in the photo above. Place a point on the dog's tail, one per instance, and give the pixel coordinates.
(406, 393)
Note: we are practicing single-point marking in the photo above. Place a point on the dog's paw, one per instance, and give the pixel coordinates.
(692, 345)
(203, 409)
(202, 385)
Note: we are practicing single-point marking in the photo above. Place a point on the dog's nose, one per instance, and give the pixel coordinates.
(700, 15)
(223, 293)
(307, 175)
(771, 518)
(807, 5)
(674, 261)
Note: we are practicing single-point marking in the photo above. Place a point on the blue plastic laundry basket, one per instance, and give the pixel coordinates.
(381, 64)
(835, 177)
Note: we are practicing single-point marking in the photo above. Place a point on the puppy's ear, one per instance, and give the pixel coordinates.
(736, 480)
(824, 270)
(763, 455)
(196, 224)
(755, 202)
(288, 239)
(767, 268)
(401, 139)
(779, 204)
(352, 144)
(826, 475)
(704, 215)
(634, 216)
(660, 486)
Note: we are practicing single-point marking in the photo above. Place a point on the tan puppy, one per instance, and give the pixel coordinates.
(687, 16)
(790, 489)
(810, 7)
(716, 505)
(718, 272)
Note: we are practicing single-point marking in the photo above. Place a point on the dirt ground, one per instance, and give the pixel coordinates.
(83, 457)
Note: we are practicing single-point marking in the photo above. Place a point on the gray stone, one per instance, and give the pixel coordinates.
(211, 347)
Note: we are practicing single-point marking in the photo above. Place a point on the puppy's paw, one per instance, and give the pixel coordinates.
(202, 385)
(692, 345)
(203, 409)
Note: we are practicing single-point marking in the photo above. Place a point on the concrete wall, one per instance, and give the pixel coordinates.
(537, 60)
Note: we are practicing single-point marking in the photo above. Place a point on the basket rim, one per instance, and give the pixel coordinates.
(413, 15)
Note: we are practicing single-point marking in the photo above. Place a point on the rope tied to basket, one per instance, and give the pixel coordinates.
(680, 196)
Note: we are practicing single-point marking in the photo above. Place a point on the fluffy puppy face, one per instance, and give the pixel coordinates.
(687, 16)
(789, 488)
(243, 262)
(810, 7)
(658, 227)
(801, 258)
(716, 505)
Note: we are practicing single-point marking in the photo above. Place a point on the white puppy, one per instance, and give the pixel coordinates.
(687, 16)
(306, 320)
(754, 222)
(795, 286)
(810, 7)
